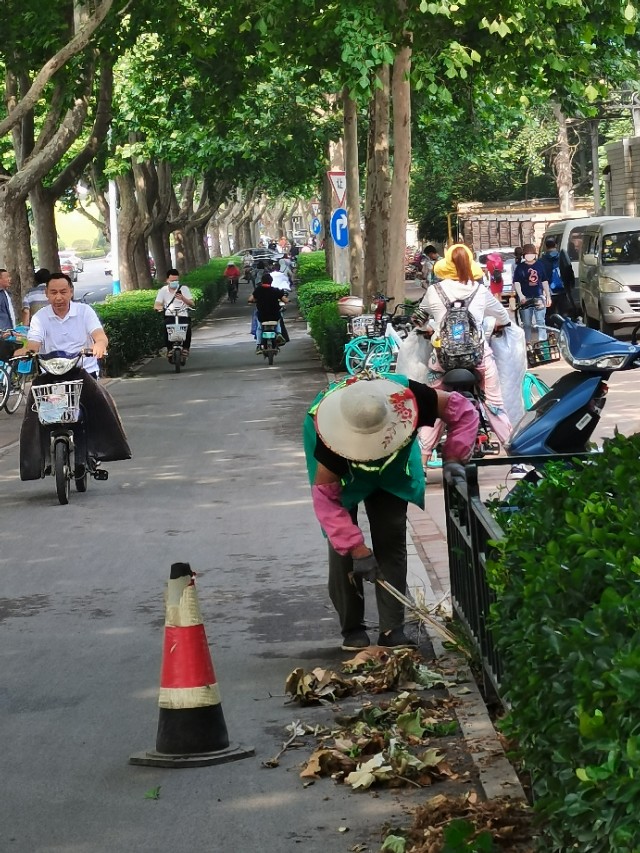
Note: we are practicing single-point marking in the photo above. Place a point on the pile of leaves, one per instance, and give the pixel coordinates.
(374, 670)
(567, 622)
(466, 824)
(385, 743)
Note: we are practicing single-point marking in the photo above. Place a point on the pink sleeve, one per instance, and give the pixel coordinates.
(334, 519)
(461, 418)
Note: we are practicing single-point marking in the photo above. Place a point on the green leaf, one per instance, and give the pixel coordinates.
(153, 793)
(394, 844)
(410, 724)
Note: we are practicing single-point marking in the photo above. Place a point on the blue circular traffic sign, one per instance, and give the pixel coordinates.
(339, 228)
(316, 225)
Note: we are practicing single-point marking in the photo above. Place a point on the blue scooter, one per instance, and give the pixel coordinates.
(564, 420)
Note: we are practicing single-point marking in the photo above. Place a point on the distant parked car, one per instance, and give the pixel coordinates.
(259, 253)
(76, 260)
(109, 271)
(69, 268)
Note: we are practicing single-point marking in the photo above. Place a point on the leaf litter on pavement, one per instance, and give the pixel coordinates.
(384, 743)
(409, 740)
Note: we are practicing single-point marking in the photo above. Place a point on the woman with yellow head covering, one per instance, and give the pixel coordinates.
(460, 275)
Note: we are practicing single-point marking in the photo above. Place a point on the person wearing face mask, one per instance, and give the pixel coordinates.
(530, 280)
(174, 300)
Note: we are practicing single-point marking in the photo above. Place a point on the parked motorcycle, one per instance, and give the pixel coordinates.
(61, 417)
(564, 419)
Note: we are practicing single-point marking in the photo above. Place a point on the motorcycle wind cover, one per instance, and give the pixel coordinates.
(106, 440)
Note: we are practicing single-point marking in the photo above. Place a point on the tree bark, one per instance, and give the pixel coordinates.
(73, 47)
(15, 244)
(378, 188)
(562, 162)
(352, 171)
(595, 166)
(130, 232)
(401, 100)
(44, 220)
(214, 234)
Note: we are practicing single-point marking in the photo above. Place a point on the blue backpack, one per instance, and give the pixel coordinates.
(556, 284)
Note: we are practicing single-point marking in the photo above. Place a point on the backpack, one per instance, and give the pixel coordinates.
(461, 342)
(556, 284)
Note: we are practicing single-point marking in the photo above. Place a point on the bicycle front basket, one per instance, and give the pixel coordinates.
(177, 332)
(58, 403)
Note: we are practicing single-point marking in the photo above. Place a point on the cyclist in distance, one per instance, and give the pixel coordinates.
(174, 300)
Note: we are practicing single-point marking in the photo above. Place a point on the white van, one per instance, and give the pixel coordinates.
(568, 236)
(610, 274)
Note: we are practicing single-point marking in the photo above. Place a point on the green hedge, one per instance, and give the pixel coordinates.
(312, 266)
(329, 331)
(135, 330)
(567, 619)
(318, 292)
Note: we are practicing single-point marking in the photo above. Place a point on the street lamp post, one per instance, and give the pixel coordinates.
(113, 227)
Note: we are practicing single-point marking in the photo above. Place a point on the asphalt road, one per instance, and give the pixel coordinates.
(92, 284)
(217, 479)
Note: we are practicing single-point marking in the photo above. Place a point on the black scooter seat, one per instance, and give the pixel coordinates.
(461, 379)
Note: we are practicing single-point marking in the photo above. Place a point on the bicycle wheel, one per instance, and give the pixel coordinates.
(533, 389)
(5, 384)
(62, 472)
(17, 382)
(355, 352)
(380, 358)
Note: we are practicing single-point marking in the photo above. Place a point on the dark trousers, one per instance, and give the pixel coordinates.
(387, 516)
(182, 320)
(7, 349)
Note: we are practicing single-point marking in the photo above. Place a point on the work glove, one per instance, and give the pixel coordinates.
(453, 472)
(366, 568)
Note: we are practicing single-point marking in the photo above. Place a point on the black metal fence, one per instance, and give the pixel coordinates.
(470, 528)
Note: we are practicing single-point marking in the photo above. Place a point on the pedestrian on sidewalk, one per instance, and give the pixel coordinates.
(36, 297)
(360, 445)
(7, 318)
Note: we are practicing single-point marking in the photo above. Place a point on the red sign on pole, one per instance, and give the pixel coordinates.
(339, 184)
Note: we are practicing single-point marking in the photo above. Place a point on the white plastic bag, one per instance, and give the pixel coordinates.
(413, 356)
(510, 352)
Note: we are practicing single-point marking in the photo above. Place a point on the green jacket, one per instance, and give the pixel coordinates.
(400, 474)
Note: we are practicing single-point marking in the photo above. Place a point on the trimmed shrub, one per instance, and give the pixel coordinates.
(135, 330)
(567, 620)
(319, 292)
(329, 331)
(312, 266)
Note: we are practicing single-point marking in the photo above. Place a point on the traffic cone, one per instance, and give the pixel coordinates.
(191, 728)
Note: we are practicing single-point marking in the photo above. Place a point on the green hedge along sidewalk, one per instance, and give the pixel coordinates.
(135, 330)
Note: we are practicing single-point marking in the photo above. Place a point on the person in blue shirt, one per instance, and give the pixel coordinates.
(532, 285)
(561, 279)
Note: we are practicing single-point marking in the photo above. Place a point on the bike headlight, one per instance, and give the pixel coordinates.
(565, 352)
(610, 285)
(606, 362)
(58, 366)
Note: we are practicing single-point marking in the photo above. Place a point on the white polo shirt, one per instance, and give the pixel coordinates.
(280, 280)
(70, 333)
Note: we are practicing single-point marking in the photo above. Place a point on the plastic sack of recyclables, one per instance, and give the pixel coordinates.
(510, 352)
(413, 356)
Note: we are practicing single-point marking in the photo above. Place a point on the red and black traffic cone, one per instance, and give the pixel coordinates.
(191, 728)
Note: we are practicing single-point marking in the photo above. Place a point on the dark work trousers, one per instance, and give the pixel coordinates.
(387, 516)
